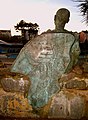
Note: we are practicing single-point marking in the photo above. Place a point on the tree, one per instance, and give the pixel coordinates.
(28, 30)
(83, 6)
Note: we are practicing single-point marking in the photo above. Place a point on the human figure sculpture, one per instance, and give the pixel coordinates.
(46, 58)
(60, 19)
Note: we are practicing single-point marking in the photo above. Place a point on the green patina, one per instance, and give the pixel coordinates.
(46, 58)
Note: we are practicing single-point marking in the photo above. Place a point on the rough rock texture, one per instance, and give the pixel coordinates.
(12, 85)
(14, 82)
(76, 83)
(15, 105)
(85, 67)
(67, 105)
(44, 59)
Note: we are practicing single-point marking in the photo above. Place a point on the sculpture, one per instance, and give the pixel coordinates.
(60, 19)
(46, 58)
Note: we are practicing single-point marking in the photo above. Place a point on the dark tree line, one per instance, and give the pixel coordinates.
(24, 25)
(28, 30)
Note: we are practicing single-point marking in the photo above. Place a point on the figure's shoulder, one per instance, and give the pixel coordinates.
(58, 31)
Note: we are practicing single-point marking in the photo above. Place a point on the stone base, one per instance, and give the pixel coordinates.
(69, 103)
(15, 105)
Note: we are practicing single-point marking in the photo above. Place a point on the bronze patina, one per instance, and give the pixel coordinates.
(46, 58)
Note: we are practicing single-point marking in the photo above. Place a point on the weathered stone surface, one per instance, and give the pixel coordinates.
(77, 70)
(76, 83)
(86, 81)
(15, 105)
(85, 67)
(67, 105)
(67, 77)
(15, 85)
(44, 59)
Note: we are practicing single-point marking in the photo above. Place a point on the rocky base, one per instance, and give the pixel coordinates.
(69, 103)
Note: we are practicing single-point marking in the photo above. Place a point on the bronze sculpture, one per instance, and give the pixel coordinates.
(46, 58)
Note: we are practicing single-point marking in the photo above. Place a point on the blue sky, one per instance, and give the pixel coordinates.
(38, 11)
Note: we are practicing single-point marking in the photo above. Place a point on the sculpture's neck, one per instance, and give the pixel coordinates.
(59, 27)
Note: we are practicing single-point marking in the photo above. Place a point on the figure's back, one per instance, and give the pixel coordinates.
(44, 59)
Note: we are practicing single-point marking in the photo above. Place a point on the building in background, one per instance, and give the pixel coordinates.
(5, 35)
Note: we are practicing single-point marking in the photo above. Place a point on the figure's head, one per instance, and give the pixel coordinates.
(61, 17)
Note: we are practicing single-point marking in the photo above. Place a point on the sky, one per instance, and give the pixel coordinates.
(38, 11)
